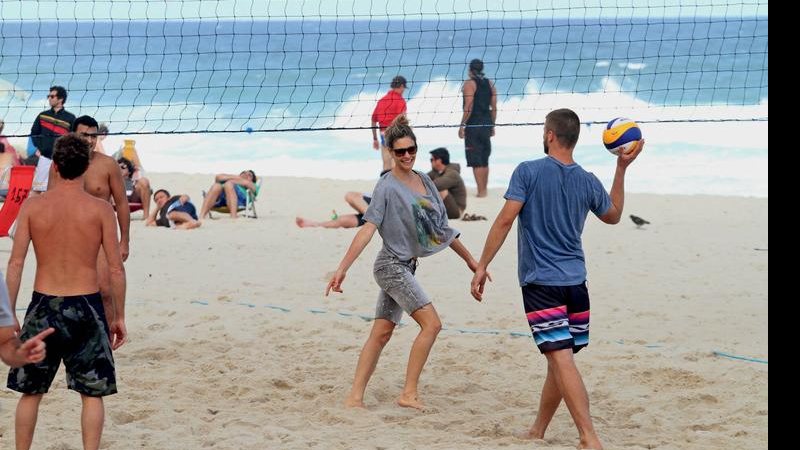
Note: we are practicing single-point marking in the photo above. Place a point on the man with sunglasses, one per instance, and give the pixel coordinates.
(48, 126)
(51, 124)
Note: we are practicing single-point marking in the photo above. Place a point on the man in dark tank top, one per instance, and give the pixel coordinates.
(477, 122)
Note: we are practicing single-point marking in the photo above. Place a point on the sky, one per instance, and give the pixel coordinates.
(461, 9)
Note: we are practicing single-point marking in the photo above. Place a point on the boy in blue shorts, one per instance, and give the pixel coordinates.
(552, 197)
(234, 188)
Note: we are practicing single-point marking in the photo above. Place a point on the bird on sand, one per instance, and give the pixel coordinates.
(639, 221)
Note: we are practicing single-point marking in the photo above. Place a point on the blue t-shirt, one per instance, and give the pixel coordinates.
(557, 199)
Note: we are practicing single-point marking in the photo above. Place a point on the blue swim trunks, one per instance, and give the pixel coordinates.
(187, 207)
(241, 198)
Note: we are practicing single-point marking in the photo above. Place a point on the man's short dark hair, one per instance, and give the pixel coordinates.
(2, 147)
(60, 92)
(442, 154)
(565, 124)
(127, 163)
(71, 156)
(398, 81)
(83, 120)
(161, 190)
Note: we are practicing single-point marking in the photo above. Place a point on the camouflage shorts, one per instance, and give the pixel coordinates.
(81, 340)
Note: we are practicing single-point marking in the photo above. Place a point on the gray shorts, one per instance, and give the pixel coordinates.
(400, 291)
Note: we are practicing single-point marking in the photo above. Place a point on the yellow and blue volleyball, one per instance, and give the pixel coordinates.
(621, 135)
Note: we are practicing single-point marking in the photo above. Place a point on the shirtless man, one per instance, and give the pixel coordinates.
(68, 228)
(103, 180)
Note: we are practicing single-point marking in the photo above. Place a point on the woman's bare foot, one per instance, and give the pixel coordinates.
(354, 403)
(410, 401)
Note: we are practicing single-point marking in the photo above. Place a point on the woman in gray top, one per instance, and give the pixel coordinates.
(411, 218)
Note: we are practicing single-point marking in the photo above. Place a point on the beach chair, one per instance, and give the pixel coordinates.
(249, 209)
(19, 185)
(128, 151)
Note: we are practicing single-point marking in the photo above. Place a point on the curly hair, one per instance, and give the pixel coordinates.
(127, 163)
(71, 156)
(398, 129)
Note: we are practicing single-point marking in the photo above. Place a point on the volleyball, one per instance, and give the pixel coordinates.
(621, 135)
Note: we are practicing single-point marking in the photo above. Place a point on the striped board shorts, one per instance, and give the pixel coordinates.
(558, 316)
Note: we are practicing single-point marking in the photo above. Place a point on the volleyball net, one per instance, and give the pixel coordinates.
(243, 65)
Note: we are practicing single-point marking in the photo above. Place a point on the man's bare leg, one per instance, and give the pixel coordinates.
(481, 179)
(143, 189)
(183, 221)
(378, 338)
(231, 199)
(430, 325)
(211, 197)
(92, 418)
(571, 385)
(25, 421)
(548, 404)
(346, 221)
(356, 201)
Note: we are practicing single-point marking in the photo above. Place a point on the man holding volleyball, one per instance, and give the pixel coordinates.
(552, 197)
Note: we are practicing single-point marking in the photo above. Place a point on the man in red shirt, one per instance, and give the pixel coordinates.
(390, 106)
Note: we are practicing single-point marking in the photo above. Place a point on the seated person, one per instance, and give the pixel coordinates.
(128, 151)
(357, 200)
(138, 191)
(7, 161)
(448, 181)
(9, 152)
(173, 210)
(234, 187)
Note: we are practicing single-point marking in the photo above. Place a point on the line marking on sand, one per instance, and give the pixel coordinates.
(742, 358)
(279, 308)
(527, 334)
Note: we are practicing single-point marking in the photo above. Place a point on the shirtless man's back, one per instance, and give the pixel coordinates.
(103, 179)
(68, 228)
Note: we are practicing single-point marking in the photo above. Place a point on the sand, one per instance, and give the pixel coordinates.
(233, 345)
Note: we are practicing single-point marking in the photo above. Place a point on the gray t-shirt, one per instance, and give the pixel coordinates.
(6, 315)
(411, 225)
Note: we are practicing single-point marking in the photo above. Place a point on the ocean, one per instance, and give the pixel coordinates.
(683, 79)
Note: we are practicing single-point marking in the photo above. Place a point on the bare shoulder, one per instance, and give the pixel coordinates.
(33, 203)
(105, 160)
(97, 205)
(469, 85)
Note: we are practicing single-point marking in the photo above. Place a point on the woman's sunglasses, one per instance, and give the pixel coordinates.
(402, 151)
